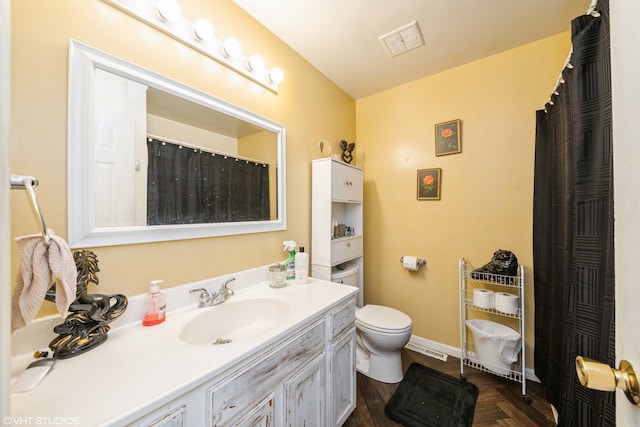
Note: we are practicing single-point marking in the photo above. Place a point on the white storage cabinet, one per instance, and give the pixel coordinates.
(336, 194)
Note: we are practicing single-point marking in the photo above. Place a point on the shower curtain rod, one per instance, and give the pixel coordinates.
(206, 150)
(28, 183)
(567, 62)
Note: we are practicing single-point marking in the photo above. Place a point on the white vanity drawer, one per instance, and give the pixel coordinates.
(345, 249)
(341, 318)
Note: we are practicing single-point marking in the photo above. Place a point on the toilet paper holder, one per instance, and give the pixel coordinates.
(420, 261)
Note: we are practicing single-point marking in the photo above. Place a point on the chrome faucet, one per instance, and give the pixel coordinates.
(207, 299)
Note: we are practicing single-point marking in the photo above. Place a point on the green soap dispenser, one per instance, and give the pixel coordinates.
(290, 246)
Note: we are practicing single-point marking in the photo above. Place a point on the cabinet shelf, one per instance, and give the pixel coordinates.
(345, 201)
(469, 304)
(346, 238)
(472, 361)
(492, 279)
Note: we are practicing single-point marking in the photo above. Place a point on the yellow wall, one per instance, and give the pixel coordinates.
(487, 190)
(309, 105)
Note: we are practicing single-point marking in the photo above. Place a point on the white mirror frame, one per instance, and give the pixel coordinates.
(83, 60)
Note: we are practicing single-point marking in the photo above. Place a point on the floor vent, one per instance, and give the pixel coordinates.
(427, 351)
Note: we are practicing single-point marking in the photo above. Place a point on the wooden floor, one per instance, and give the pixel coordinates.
(499, 403)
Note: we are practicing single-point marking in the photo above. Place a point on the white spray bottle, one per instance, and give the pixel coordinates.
(290, 246)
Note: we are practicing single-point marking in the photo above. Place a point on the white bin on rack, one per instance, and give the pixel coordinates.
(497, 345)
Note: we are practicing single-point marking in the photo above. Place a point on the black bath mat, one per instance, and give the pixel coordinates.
(426, 397)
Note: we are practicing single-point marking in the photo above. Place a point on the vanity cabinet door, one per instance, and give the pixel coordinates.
(261, 415)
(237, 396)
(182, 412)
(305, 395)
(175, 418)
(342, 378)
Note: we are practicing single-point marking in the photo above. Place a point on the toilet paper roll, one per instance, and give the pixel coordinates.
(410, 262)
(505, 302)
(483, 298)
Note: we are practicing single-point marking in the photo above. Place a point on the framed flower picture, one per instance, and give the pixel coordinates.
(448, 138)
(429, 184)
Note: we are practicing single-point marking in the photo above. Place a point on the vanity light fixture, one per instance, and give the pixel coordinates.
(168, 10)
(202, 30)
(255, 62)
(231, 48)
(276, 76)
(166, 16)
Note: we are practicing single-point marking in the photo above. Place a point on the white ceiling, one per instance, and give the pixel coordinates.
(340, 37)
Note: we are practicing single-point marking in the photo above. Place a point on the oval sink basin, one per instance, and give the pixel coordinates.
(234, 320)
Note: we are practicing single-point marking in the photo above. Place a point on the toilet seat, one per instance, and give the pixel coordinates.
(383, 319)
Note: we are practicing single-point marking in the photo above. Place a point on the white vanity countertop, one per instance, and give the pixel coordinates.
(140, 368)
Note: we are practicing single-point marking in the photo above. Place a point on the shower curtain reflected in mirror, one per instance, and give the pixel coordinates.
(573, 228)
(192, 186)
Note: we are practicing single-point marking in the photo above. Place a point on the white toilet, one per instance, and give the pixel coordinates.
(381, 333)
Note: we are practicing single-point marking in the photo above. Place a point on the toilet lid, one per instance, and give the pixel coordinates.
(382, 318)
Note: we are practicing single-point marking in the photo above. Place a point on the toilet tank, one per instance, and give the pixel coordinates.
(347, 276)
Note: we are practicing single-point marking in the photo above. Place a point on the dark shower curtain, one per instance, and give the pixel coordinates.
(187, 186)
(573, 228)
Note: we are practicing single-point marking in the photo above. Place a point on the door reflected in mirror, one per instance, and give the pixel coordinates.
(151, 159)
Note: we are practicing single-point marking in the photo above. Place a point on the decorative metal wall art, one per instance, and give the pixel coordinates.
(347, 150)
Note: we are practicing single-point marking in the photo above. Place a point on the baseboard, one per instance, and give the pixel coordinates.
(441, 351)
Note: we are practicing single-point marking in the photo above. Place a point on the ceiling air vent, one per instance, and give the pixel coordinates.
(402, 39)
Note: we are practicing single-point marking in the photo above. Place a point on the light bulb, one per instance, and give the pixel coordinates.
(168, 10)
(231, 47)
(255, 63)
(202, 29)
(276, 75)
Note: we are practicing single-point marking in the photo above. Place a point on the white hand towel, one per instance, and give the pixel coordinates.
(40, 266)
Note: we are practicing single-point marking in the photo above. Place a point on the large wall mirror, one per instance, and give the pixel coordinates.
(151, 159)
